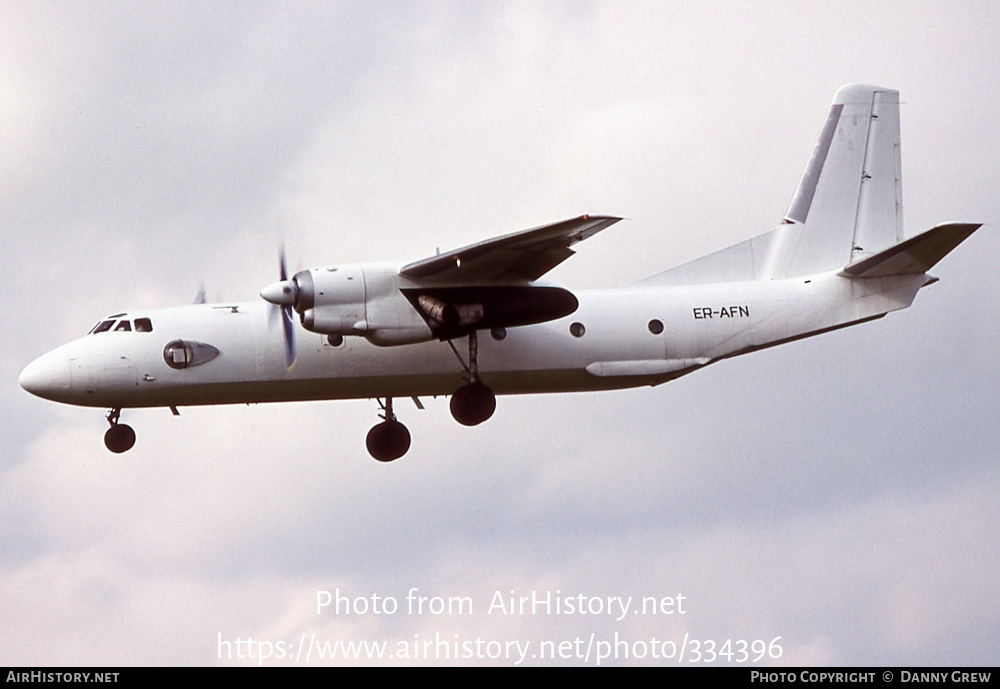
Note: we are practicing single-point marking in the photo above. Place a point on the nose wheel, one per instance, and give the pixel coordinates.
(120, 437)
(390, 439)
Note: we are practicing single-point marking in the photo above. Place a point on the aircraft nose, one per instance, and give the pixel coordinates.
(47, 376)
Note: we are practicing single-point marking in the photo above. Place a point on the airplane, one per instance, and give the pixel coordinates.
(478, 321)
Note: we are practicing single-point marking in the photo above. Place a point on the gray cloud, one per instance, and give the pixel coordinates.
(837, 492)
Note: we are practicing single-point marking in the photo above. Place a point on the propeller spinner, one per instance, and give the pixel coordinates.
(283, 295)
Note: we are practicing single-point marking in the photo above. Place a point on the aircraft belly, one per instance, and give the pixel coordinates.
(367, 387)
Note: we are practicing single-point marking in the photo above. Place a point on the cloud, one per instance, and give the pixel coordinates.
(835, 492)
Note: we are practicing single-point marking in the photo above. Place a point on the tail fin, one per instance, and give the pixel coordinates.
(848, 204)
(850, 197)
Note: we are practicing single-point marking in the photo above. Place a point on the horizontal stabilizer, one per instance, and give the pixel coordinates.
(912, 256)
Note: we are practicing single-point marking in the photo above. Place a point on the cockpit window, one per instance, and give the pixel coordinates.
(142, 325)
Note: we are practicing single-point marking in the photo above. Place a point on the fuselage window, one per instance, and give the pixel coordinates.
(143, 325)
(178, 354)
(101, 327)
(123, 326)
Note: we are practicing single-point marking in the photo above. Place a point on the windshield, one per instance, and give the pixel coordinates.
(142, 325)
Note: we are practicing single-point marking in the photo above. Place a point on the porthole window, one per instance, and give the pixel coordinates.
(498, 333)
(181, 354)
(656, 326)
(335, 340)
(577, 330)
(178, 354)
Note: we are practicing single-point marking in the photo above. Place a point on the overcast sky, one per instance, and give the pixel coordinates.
(840, 492)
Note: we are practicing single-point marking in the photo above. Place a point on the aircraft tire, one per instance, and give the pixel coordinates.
(473, 404)
(388, 441)
(119, 438)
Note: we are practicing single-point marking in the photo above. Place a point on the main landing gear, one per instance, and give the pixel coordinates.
(390, 439)
(474, 402)
(471, 405)
(120, 437)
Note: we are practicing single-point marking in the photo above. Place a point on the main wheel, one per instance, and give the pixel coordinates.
(387, 441)
(472, 404)
(119, 438)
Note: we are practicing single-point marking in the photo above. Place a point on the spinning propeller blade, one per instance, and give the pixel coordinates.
(283, 294)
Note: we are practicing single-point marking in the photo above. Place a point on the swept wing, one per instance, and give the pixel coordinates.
(513, 258)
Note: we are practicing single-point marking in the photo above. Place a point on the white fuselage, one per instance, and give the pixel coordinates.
(619, 347)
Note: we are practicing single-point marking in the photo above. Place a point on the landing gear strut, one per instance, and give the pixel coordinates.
(120, 437)
(390, 439)
(474, 402)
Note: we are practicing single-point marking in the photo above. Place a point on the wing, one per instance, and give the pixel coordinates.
(518, 257)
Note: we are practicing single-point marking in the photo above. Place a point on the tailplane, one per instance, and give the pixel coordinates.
(912, 256)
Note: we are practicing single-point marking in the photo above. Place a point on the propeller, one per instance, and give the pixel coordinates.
(283, 295)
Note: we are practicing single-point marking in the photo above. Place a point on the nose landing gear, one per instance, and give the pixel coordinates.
(120, 437)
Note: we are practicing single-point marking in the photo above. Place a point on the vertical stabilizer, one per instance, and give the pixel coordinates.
(849, 201)
(848, 204)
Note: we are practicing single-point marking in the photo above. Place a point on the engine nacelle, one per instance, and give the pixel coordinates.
(375, 302)
(331, 300)
(358, 300)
